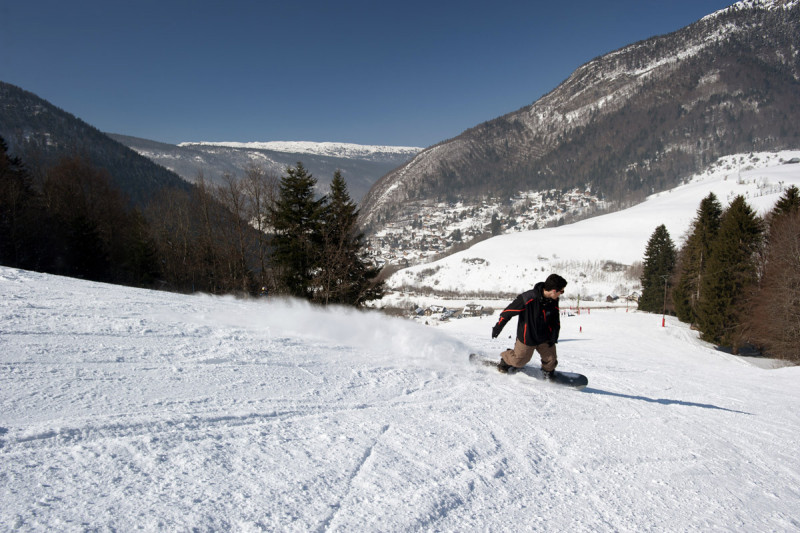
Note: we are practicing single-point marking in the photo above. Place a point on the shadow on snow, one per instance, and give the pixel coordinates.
(663, 401)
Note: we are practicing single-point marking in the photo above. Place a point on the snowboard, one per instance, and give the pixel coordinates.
(568, 379)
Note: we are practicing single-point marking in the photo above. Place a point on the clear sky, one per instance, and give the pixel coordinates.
(407, 73)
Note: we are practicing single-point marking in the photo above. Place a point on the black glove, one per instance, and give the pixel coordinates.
(496, 330)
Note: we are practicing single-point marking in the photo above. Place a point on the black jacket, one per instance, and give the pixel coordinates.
(539, 319)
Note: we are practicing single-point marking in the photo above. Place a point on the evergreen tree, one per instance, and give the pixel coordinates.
(496, 227)
(788, 203)
(344, 276)
(694, 257)
(296, 218)
(681, 293)
(89, 211)
(659, 262)
(20, 207)
(730, 272)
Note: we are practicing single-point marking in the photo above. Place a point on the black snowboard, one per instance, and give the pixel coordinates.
(569, 379)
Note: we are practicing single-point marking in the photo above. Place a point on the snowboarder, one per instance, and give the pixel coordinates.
(538, 326)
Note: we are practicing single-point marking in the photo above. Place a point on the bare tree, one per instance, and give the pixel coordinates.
(170, 217)
(261, 188)
(775, 318)
(233, 230)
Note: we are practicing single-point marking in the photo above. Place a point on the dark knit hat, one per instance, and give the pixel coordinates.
(554, 282)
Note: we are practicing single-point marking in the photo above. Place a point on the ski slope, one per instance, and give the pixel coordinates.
(125, 409)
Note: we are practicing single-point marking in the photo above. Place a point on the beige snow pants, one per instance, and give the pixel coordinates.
(521, 355)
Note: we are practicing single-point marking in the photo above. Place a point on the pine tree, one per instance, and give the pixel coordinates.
(344, 276)
(659, 262)
(18, 211)
(296, 218)
(681, 293)
(788, 203)
(496, 227)
(693, 258)
(730, 272)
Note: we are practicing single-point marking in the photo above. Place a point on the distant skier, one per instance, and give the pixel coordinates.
(538, 326)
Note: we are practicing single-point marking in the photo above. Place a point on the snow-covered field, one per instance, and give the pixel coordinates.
(513, 263)
(123, 409)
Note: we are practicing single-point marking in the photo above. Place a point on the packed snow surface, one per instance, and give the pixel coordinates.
(123, 409)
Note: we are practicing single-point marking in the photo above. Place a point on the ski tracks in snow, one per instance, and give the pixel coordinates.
(125, 408)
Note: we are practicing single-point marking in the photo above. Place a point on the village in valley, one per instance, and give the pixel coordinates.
(425, 232)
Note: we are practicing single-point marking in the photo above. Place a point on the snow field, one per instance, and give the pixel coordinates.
(124, 409)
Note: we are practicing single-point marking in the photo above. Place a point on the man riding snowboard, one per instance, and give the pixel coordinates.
(538, 326)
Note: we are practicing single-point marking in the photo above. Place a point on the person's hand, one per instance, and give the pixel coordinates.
(496, 330)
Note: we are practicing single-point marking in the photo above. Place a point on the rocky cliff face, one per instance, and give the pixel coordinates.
(628, 123)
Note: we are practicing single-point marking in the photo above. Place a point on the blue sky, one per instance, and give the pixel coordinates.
(407, 73)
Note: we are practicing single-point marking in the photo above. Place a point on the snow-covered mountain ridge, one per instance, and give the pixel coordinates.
(330, 149)
(753, 4)
(360, 165)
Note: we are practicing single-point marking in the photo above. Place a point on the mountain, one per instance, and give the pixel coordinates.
(361, 165)
(331, 149)
(40, 133)
(632, 122)
(122, 408)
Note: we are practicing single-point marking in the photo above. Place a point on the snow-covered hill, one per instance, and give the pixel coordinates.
(125, 409)
(361, 166)
(588, 253)
(770, 5)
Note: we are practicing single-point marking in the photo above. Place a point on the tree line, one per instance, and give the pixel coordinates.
(736, 278)
(254, 234)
